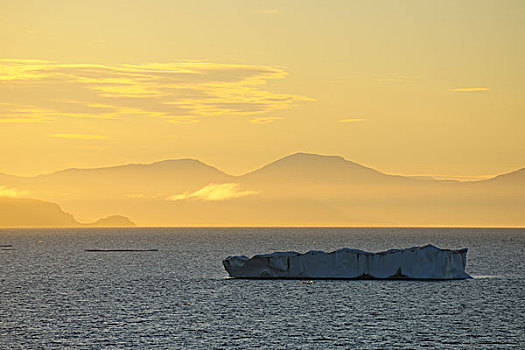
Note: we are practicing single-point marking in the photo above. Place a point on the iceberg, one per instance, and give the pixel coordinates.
(420, 263)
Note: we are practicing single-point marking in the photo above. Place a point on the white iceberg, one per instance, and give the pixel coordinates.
(425, 263)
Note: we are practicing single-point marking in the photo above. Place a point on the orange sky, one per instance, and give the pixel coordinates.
(412, 87)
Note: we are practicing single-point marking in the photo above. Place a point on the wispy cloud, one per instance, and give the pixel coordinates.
(180, 92)
(447, 176)
(470, 89)
(352, 120)
(184, 120)
(389, 80)
(265, 120)
(11, 192)
(24, 120)
(267, 12)
(79, 136)
(214, 192)
(135, 195)
(396, 78)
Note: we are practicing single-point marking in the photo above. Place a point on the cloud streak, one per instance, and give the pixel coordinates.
(181, 92)
(214, 192)
(265, 120)
(352, 120)
(11, 192)
(267, 12)
(24, 120)
(79, 136)
(396, 78)
(472, 89)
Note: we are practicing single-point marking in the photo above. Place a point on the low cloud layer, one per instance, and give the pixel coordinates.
(265, 120)
(352, 120)
(471, 89)
(215, 192)
(267, 12)
(79, 136)
(35, 91)
(11, 192)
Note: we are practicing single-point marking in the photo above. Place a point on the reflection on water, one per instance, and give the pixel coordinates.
(53, 294)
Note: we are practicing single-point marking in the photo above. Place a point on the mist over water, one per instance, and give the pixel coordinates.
(53, 294)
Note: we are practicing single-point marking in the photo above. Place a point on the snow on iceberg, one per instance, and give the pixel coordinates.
(427, 262)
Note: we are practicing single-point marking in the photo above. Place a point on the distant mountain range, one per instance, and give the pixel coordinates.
(300, 189)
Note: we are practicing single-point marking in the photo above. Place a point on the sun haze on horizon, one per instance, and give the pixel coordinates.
(230, 91)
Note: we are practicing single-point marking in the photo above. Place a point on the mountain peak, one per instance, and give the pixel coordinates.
(313, 159)
(167, 165)
(516, 175)
(312, 156)
(176, 161)
(312, 166)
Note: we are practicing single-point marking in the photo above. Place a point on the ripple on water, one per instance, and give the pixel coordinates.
(55, 295)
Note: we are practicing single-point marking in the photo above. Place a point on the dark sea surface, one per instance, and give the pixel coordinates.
(53, 294)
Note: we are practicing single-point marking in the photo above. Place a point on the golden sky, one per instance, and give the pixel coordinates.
(409, 87)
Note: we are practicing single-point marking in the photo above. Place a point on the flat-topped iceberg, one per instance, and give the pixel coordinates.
(427, 262)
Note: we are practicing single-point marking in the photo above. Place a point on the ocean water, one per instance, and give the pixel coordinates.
(53, 294)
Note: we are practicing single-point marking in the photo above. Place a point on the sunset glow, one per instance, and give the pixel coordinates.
(408, 88)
